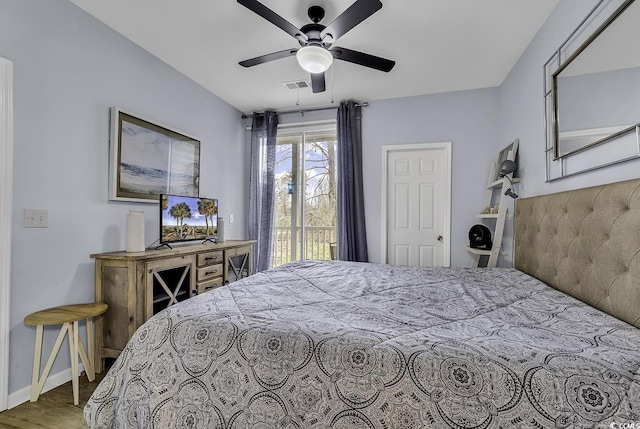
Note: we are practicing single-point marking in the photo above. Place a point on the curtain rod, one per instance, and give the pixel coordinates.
(303, 111)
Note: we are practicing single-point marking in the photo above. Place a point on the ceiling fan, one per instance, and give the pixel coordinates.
(316, 53)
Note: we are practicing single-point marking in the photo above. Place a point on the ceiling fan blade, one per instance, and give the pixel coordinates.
(354, 15)
(362, 59)
(260, 9)
(317, 82)
(268, 57)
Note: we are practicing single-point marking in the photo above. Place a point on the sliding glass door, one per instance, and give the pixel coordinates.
(305, 207)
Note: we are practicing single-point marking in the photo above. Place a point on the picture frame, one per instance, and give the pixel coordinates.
(148, 159)
(504, 155)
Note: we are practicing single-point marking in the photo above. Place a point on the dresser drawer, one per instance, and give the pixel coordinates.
(209, 258)
(208, 272)
(238, 251)
(208, 285)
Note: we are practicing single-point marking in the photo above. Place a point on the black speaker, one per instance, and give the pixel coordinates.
(480, 237)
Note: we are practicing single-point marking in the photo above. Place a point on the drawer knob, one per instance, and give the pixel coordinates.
(211, 272)
(210, 258)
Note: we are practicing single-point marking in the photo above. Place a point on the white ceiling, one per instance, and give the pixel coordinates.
(438, 45)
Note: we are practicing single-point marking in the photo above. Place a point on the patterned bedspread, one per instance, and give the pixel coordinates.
(350, 345)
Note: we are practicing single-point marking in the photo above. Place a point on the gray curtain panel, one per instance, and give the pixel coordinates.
(264, 130)
(352, 237)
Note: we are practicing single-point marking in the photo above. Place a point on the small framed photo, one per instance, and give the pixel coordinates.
(504, 155)
(148, 159)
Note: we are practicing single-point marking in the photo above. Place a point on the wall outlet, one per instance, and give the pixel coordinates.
(231, 218)
(35, 218)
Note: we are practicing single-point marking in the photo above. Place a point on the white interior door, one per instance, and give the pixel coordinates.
(417, 204)
(6, 187)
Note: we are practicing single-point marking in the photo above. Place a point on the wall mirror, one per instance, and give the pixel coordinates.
(592, 92)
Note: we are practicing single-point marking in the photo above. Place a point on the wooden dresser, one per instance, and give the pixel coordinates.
(138, 285)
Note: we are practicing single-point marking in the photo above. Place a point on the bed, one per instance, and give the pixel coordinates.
(331, 344)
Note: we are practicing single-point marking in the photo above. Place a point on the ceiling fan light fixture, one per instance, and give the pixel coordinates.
(314, 59)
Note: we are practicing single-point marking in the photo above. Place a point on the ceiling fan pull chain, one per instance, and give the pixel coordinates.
(298, 97)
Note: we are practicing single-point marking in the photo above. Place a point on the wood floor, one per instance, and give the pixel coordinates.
(53, 410)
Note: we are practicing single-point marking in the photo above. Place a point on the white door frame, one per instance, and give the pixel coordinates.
(6, 188)
(447, 194)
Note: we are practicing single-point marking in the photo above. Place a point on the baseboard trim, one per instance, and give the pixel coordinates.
(23, 395)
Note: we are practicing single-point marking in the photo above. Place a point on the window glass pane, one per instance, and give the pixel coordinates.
(320, 195)
(305, 211)
(286, 205)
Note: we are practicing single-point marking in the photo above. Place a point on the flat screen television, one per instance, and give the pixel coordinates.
(187, 219)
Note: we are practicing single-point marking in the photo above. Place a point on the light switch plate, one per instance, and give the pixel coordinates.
(35, 218)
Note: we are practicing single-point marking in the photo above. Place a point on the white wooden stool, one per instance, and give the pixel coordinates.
(68, 316)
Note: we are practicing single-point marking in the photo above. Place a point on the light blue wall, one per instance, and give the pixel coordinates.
(522, 110)
(468, 119)
(69, 69)
(522, 107)
(480, 123)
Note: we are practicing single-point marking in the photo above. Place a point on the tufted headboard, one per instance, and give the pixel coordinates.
(585, 243)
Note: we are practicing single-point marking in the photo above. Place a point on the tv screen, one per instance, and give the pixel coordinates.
(187, 218)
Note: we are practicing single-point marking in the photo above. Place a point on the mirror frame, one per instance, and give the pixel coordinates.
(557, 165)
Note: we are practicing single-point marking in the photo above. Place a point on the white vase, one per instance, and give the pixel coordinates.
(135, 231)
(220, 236)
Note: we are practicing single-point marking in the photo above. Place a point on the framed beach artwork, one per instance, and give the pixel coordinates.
(148, 159)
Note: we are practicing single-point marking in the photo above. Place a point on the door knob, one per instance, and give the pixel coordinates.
(439, 238)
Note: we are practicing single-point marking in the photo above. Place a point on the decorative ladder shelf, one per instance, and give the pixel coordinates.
(500, 185)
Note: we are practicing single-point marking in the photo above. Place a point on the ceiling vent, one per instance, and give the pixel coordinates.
(297, 84)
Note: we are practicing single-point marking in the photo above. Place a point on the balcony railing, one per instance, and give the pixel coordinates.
(288, 243)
